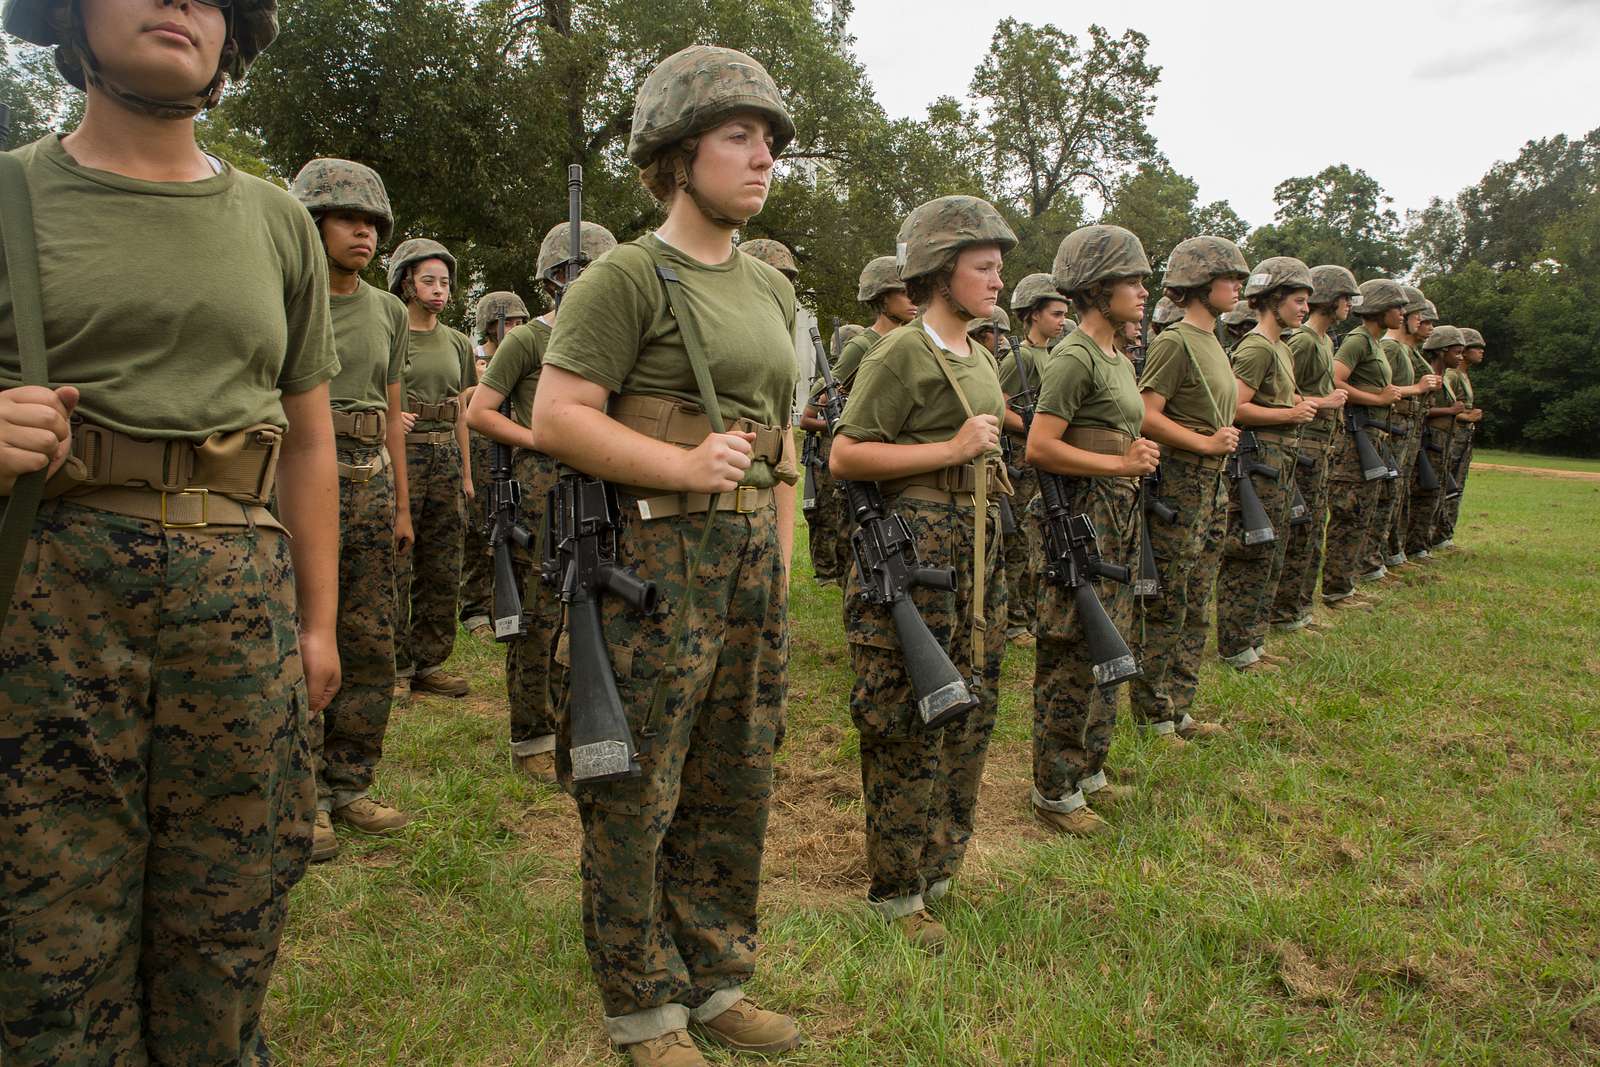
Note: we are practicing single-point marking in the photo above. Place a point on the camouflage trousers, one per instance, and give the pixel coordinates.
(1247, 580)
(1394, 498)
(477, 562)
(1072, 716)
(156, 790)
(920, 786)
(528, 660)
(1461, 463)
(1023, 554)
(1302, 559)
(1425, 503)
(347, 738)
(428, 578)
(1352, 516)
(1172, 632)
(671, 859)
(829, 525)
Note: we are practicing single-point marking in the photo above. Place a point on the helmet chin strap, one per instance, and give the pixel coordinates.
(680, 174)
(943, 289)
(80, 55)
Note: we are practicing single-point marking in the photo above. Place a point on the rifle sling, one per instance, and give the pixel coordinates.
(980, 528)
(27, 312)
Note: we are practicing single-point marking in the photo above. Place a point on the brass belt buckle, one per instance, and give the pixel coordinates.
(205, 509)
(744, 499)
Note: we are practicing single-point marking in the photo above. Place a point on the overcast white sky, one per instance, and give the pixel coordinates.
(1460, 83)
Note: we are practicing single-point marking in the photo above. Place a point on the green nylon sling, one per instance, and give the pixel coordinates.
(27, 314)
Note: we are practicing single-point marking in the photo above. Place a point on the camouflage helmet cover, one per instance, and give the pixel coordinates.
(1443, 337)
(774, 254)
(1330, 281)
(1200, 260)
(693, 90)
(1278, 272)
(1378, 295)
(412, 251)
(878, 277)
(502, 303)
(1429, 312)
(1241, 315)
(252, 25)
(1416, 303)
(1092, 254)
(844, 333)
(1166, 312)
(935, 233)
(1032, 289)
(339, 185)
(997, 320)
(556, 248)
(1470, 337)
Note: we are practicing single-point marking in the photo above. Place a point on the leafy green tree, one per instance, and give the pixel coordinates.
(1339, 215)
(39, 99)
(1159, 205)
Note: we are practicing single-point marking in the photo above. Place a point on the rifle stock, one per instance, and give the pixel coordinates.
(506, 530)
(1242, 465)
(1147, 586)
(1373, 465)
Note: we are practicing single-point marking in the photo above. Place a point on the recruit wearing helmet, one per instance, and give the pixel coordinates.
(1093, 254)
(1430, 313)
(1330, 281)
(251, 27)
(998, 320)
(325, 185)
(878, 278)
(1470, 338)
(415, 250)
(695, 90)
(1443, 337)
(1377, 296)
(1241, 315)
(1033, 289)
(774, 254)
(1166, 313)
(935, 233)
(1415, 303)
(1201, 260)
(498, 306)
(555, 251)
(1278, 272)
(843, 334)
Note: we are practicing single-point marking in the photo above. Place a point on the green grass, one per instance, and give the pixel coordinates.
(1531, 459)
(1393, 859)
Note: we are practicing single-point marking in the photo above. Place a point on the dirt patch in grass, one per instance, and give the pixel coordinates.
(1541, 472)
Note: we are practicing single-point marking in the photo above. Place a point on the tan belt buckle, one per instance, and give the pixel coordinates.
(205, 509)
(744, 499)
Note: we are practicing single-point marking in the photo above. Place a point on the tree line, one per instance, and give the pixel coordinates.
(471, 111)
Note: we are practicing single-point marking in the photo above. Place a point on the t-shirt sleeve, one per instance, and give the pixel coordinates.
(1252, 363)
(1010, 381)
(310, 357)
(1350, 352)
(1065, 384)
(399, 328)
(469, 363)
(604, 315)
(1166, 366)
(879, 403)
(1302, 352)
(510, 364)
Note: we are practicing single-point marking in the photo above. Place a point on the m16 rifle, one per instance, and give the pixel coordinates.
(505, 526)
(1242, 464)
(1374, 465)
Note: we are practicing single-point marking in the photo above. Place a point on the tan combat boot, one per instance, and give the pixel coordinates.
(441, 684)
(324, 842)
(747, 1028)
(1080, 823)
(1110, 795)
(1274, 660)
(1348, 603)
(541, 766)
(1197, 730)
(483, 630)
(402, 690)
(922, 930)
(675, 1048)
(1172, 741)
(370, 817)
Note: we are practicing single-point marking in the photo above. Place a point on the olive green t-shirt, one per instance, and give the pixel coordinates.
(1400, 365)
(1087, 386)
(1033, 360)
(1268, 368)
(1188, 367)
(439, 365)
(615, 330)
(514, 370)
(179, 309)
(1312, 354)
(1461, 386)
(1369, 367)
(902, 396)
(1420, 367)
(844, 372)
(369, 330)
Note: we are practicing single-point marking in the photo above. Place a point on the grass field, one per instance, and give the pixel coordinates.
(1393, 859)
(1531, 459)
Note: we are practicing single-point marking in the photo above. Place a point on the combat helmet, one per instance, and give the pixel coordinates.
(1200, 260)
(1330, 281)
(774, 254)
(496, 306)
(594, 241)
(251, 27)
(877, 278)
(935, 232)
(1430, 313)
(1415, 303)
(1099, 253)
(1166, 313)
(1377, 295)
(697, 88)
(326, 184)
(843, 335)
(1241, 315)
(1278, 272)
(997, 320)
(412, 251)
(1470, 338)
(1032, 289)
(1443, 337)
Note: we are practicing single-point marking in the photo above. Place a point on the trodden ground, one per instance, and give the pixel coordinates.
(1393, 859)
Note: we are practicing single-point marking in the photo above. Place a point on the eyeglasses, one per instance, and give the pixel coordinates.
(220, 5)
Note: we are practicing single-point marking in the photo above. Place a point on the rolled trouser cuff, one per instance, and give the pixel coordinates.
(1168, 727)
(1185, 723)
(1395, 560)
(1065, 806)
(475, 620)
(640, 1026)
(1372, 576)
(1331, 598)
(343, 798)
(1298, 624)
(897, 907)
(935, 890)
(716, 1004)
(1093, 784)
(1242, 659)
(423, 672)
(534, 746)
